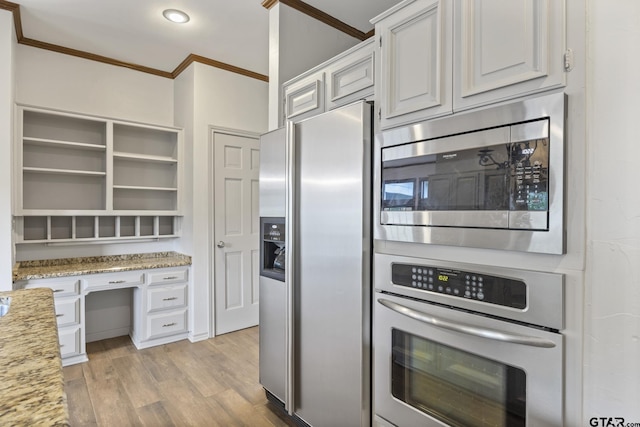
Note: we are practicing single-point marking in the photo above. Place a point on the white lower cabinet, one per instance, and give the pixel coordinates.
(166, 297)
(166, 323)
(69, 308)
(160, 306)
(71, 345)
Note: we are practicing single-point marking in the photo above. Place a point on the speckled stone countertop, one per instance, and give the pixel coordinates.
(31, 380)
(63, 267)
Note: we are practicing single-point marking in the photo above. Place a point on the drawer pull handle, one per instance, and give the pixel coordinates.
(169, 299)
(115, 282)
(61, 345)
(170, 278)
(169, 324)
(58, 290)
(59, 315)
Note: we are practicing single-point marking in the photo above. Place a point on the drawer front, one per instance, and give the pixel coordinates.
(171, 276)
(163, 324)
(115, 280)
(60, 288)
(305, 98)
(68, 311)
(351, 78)
(161, 298)
(69, 339)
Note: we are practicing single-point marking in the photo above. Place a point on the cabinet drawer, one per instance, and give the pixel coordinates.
(69, 339)
(352, 77)
(115, 280)
(305, 98)
(68, 311)
(162, 324)
(172, 276)
(60, 288)
(161, 298)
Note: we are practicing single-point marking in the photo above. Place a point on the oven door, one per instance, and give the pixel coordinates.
(438, 366)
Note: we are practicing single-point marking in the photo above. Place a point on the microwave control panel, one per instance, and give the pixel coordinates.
(530, 185)
(462, 284)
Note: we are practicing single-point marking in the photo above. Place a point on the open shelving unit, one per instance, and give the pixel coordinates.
(123, 178)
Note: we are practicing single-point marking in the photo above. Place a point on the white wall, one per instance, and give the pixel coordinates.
(52, 80)
(297, 43)
(7, 60)
(612, 310)
(220, 99)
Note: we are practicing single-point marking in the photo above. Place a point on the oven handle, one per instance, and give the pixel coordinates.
(491, 334)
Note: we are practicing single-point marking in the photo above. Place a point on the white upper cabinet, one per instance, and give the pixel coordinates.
(415, 58)
(436, 57)
(504, 49)
(341, 80)
(351, 77)
(304, 97)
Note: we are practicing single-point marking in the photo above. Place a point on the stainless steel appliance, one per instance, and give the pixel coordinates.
(315, 333)
(273, 297)
(328, 267)
(492, 178)
(467, 345)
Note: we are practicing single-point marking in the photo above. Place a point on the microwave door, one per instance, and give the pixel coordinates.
(469, 187)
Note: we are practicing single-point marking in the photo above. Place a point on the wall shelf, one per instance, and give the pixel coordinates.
(62, 171)
(144, 158)
(84, 179)
(43, 142)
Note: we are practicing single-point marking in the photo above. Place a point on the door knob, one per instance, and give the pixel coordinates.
(220, 244)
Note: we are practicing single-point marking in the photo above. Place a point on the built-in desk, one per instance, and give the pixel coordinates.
(160, 283)
(31, 380)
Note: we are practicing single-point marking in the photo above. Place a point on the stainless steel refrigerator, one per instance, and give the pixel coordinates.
(272, 287)
(328, 272)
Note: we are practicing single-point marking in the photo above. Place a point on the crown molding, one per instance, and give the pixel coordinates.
(15, 9)
(268, 4)
(321, 16)
(217, 64)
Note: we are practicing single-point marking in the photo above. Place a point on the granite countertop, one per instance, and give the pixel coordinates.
(63, 267)
(31, 379)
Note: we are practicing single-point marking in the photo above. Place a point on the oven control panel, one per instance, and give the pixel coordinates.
(462, 284)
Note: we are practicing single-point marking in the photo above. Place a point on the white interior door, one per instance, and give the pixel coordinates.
(236, 230)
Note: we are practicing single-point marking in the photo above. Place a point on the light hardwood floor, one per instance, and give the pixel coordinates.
(208, 383)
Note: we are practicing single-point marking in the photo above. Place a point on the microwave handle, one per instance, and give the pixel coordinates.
(491, 334)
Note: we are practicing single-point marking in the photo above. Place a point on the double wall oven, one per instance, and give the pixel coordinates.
(460, 344)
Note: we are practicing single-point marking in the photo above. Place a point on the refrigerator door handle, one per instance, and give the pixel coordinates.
(290, 266)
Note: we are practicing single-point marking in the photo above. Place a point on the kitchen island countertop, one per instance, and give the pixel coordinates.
(31, 379)
(64, 267)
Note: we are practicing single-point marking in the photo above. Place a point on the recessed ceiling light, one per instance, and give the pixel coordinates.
(175, 15)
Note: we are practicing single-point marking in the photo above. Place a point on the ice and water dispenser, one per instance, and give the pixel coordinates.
(272, 254)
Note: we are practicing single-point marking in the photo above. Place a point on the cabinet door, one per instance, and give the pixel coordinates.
(305, 97)
(505, 49)
(351, 78)
(414, 62)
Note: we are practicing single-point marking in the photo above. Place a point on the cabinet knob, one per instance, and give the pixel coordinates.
(220, 244)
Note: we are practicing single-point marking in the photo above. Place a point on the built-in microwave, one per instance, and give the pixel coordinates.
(492, 178)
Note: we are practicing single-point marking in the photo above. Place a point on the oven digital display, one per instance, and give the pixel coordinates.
(463, 284)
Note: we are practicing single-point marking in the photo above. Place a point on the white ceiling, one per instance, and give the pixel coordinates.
(235, 32)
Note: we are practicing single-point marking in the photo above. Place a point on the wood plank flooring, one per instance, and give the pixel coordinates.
(208, 383)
